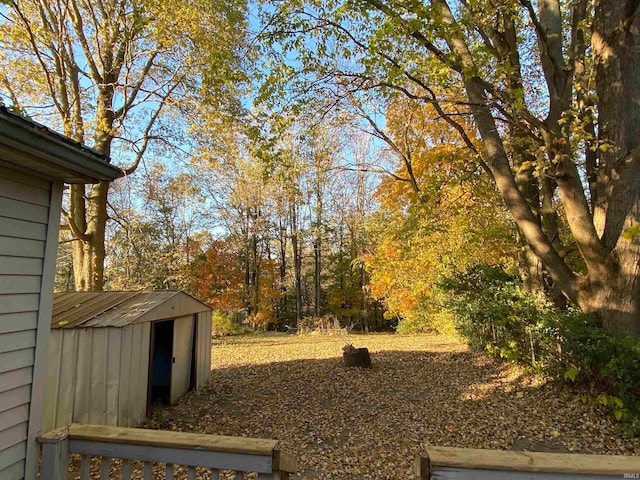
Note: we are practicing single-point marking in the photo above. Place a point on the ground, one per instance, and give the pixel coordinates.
(349, 423)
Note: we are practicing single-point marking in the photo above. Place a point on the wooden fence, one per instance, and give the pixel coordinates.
(448, 463)
(179, 454)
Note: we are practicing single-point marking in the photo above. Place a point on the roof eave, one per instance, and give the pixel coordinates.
(68, 161)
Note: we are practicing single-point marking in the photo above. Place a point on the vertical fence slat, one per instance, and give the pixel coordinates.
(85, 464)
(104, 468)
(215, 474)
(191, 473)
(126, 470)
(148, 471)
(168, 472)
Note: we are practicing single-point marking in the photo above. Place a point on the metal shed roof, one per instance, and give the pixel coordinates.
(119, 309)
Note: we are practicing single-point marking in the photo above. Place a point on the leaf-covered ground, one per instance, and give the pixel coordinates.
(349, 423)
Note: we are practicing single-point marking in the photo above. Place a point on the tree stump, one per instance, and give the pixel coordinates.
(357, 357)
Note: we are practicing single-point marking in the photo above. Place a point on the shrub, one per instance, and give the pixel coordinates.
(306, 325)
(226, 324)
(495, 314)
(441, 321)
(605, 362)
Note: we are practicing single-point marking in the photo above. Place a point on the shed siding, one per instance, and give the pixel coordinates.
(23, 229)
(133, 389)
(203, 350)
(182, 350)
(98, 376)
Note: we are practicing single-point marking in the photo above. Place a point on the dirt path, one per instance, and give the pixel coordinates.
(371, 424)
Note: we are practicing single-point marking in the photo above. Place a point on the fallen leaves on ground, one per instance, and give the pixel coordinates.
(349, 423)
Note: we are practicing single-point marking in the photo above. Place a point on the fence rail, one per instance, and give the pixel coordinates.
(449, 463)
(181, 453)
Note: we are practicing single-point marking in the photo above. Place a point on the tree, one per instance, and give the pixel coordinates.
(217, 278)
(533, 150)
(442, 220)
(104, 72)
(155, 234)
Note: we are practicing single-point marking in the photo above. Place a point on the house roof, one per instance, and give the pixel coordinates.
(119, 309)
(31, 147)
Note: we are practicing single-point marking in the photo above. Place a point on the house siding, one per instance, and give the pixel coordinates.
(27, 233)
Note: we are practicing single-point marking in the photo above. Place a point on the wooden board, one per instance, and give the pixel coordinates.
(515, 461)
(448, 473)
(166, 439)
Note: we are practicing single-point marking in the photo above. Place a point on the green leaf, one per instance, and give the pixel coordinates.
(571, 374)
(631, 232)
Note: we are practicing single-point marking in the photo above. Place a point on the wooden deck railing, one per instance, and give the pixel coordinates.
(448, 463)
(141, 449)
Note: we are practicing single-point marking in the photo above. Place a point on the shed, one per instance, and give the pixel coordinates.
(113, 354)
(35, 162)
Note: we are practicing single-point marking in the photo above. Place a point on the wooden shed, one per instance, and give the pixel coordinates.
(34, 164)
(113, 354)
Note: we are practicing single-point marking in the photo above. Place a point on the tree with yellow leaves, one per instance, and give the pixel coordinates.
(438, 214)
(105, 72)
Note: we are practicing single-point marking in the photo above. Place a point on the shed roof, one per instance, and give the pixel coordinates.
(32, 147)
(119, 309)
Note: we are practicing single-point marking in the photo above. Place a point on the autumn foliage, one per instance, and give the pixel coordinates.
(447, 218)
(217, 278)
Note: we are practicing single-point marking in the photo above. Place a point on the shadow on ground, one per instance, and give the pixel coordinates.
(350, 423)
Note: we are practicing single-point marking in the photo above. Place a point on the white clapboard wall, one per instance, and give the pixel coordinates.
(28, 234)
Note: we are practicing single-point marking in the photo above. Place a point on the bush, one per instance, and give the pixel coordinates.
(440, 321)
(605, 362)
(495, 314)
(226, 324)
(306, 324)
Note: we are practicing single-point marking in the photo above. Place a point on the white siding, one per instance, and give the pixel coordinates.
(203, 350)
(24, 221)
(98, 376)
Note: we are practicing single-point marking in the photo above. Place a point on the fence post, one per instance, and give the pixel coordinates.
(55, 454)
(283, 464)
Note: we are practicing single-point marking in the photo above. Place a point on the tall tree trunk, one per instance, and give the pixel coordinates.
(531, 269)
(613, 293)
(317, 265)
(255, 275)
(282, 304)
(88, 212)
(297, 266)
(297, 262)
(89, 249)
(247, 265)
(365, 300)
(317, 251)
